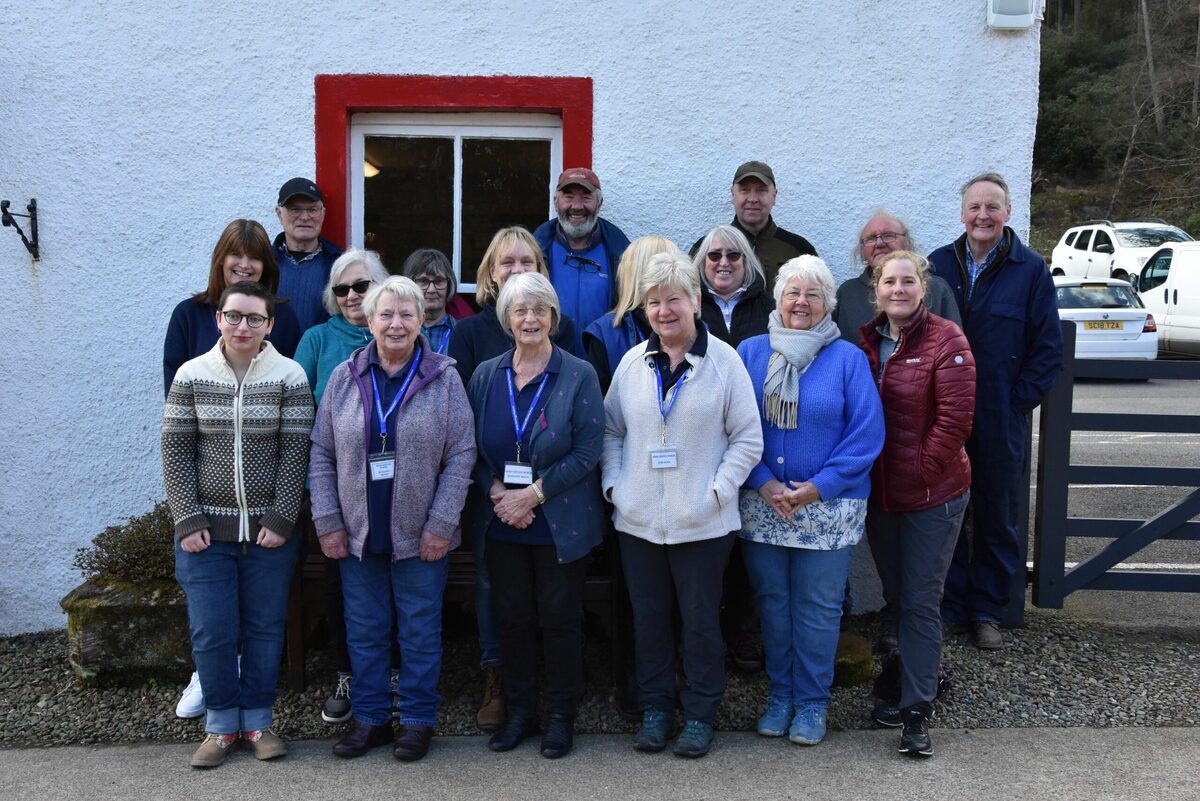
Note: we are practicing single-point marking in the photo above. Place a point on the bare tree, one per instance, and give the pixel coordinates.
(1160, 119)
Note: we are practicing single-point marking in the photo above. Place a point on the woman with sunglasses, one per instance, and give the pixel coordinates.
(243, 253)
(235, 451)
(322, 348)
(735, 305)
(734, 301)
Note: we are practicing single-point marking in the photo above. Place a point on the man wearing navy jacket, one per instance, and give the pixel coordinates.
(1006, 297)
(303, 255)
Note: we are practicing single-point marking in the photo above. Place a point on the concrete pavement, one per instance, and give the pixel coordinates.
(981, 765)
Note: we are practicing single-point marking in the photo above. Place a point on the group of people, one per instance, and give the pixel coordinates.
(732, 421)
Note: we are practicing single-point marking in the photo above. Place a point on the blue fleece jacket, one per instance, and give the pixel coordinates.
(840, 429)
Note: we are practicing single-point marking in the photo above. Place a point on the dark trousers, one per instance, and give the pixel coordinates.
(912, 553)
(981, 576)
(659, 577)
(532, 590)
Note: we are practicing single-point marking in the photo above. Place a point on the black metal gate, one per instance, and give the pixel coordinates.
(1055, 473)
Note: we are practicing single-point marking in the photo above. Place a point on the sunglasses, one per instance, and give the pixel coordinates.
(732, 255)
(342, 290)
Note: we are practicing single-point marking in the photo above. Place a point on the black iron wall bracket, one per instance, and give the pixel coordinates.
(7, 218)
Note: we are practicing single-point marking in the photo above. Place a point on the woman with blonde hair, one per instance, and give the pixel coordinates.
(609, 338)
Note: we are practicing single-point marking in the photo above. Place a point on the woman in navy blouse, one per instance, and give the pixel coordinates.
(539, 428)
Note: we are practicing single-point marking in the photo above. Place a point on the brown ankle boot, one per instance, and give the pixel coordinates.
(491, 713)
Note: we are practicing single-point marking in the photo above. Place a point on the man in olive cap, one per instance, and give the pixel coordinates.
(753, 194)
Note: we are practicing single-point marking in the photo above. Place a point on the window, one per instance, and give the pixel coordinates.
(1101, 238)
(1071, 237)
(1084, 237)
(1156, 271)
(449, 181)
(342, 101)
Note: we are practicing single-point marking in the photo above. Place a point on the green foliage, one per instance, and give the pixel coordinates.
(140, 549)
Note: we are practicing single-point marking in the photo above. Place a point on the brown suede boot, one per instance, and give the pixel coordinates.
(492, 711)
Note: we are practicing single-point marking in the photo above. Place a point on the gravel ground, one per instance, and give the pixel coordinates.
(1054, 672)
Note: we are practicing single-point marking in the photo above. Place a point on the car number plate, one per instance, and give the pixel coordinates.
(1103, 325)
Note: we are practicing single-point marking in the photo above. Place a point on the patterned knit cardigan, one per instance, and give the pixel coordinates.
(235, 458)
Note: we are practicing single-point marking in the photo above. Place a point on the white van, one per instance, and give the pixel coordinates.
(1169, 286)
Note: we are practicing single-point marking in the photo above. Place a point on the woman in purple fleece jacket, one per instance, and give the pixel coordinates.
(392, 453)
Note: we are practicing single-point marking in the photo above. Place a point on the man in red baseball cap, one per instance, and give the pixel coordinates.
(581, 249)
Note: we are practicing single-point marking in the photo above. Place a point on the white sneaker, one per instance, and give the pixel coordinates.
(191, 703)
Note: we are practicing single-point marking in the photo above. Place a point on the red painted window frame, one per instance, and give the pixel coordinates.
(340, 96)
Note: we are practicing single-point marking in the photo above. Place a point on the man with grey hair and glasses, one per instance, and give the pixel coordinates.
(883, 234)
(581, 249)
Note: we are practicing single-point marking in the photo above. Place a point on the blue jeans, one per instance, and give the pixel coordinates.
(799, 593)
(485, 617)
(375, 589)
(237, 597)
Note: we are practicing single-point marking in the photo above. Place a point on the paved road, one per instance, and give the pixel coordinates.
(1063, 764)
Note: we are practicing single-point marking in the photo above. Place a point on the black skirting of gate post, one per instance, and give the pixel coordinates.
(1054, 452)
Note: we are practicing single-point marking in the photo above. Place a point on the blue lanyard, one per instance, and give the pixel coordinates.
(665, 409)
(519, 428)
(440, 347)
(383, 416)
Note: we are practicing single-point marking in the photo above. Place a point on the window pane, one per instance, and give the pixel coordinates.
(504, 182)
(410, 203)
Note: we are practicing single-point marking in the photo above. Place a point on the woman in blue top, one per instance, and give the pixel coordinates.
(805, 503)
(433, 273)
(610, 337)
(243, 253)
(539, 428)
(322, 348)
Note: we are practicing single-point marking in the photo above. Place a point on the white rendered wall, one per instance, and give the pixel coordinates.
(143, 128)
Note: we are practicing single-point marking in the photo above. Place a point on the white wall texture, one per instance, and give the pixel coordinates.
(142, 128)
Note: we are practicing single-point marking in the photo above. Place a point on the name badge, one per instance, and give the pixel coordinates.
(383, 465)
(664, 458)
(518, 473)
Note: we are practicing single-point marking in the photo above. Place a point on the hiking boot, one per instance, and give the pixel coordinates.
(808, 727)
(492, 710)
(695, 740)
(914, 738)
(986, 635)
(774, 722)
(213, 750)
(337, 706)
(656, 729)
(361, 738)
(191, 703)
(412, 743)
(264, 743)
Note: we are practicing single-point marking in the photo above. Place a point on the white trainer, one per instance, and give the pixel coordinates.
(191, 703)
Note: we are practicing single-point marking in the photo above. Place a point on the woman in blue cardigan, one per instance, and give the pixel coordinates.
(805, 503)
(539, 428)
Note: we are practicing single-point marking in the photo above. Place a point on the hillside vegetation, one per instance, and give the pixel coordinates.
(1118, 133)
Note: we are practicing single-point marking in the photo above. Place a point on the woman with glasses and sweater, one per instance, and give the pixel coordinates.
(235, 448)
(431, 270)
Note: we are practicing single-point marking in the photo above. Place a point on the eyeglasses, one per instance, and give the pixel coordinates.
(235, 319)
(300, 211)
(583, 263)
(523, 311)
(732, 256)
(342, 290)
(886, 238)
(437, 283)
(812, 296)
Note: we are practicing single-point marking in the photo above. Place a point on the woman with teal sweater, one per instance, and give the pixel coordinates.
(322, 348)
(805, 502)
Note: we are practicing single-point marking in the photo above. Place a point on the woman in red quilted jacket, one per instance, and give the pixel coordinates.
(921, 482)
